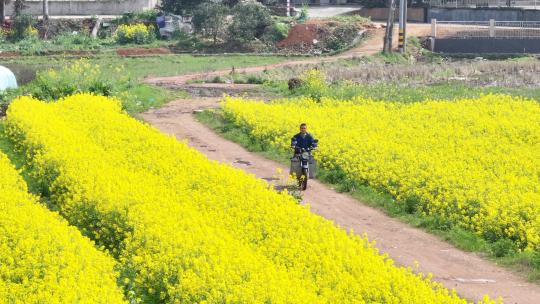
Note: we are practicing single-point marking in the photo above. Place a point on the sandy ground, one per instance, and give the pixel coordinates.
(470, 275)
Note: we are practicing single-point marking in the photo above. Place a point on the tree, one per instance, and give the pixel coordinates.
(388, 35)
(2, 11)
(209, 19)
(250, 20)
(180, 7)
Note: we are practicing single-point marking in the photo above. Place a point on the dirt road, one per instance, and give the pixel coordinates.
(372, 45)
(470, 275)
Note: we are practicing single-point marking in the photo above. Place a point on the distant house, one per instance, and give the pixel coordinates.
(86, 7)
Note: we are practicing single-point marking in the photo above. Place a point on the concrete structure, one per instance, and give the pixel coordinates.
(414, 14)
(86, 7)
(483, 14)
(482, 45)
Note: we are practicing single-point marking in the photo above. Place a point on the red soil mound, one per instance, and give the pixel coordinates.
(143, 51)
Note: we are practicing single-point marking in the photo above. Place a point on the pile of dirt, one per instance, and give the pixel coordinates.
(141, 52)
(317, 37)
(301, 35)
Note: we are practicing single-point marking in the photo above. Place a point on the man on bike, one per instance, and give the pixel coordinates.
(302, 144)
(303, 140)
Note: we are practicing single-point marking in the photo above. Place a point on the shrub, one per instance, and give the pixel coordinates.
(249, 21)
(136, 33)
(341, 37)
(276, 32)
(209, 19)
(81, 76)
(22, 28)
(313, 84)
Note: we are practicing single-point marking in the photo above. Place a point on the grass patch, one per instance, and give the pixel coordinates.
(526, 264)
(164, 65)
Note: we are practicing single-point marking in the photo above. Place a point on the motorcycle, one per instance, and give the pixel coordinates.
(303, 165)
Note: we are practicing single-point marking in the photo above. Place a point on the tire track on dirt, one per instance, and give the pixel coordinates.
(469, 274)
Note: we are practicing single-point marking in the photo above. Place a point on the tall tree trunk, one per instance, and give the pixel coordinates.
(45, 19)
(2, 11)
(387, 48)
(45, 10)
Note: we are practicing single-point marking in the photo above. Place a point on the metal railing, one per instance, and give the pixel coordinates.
(529, 4)
(485, 29)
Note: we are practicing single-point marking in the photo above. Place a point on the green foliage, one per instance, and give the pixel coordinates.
(148, 16)
(76, 41)
(77, 77)
(313, 84)
(22, 28)
(304, 15)
(179, 7)
(340, 37)
(276, 32)
(249, 21)
(186, 41)
(503, 247)
(209, 19)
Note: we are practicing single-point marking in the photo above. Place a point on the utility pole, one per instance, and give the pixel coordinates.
(402, 45)
(387, 48)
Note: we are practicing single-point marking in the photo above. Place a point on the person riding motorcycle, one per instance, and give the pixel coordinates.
(303, 140)
(302, 144)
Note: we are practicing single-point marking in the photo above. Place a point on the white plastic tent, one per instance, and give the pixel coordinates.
(7, 79)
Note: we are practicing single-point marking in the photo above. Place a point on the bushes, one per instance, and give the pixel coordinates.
(136, 33)
(78, 77)
(22, 28)
(276, 32)
(42, 258)
(249, 21)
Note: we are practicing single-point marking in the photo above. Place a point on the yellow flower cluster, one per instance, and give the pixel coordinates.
(134, 33)
(42, 258)
(473, 162)
(189, 230)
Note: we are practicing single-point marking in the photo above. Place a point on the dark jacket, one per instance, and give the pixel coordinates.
(307, 142)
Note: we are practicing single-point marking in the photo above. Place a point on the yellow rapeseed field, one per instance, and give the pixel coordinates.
(473, 162)
(189, 230)
(42, 258)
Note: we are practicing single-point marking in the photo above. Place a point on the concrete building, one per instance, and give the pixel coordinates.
(85, 7)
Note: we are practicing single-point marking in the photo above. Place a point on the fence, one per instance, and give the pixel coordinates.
(527, 4)
(485, 29)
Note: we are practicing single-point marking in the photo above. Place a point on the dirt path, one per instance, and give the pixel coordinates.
(372, 45)
(469, 274)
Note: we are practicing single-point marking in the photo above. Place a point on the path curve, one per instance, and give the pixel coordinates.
(372, 45)
(470, 275)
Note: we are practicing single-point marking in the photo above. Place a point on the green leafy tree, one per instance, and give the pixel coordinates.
(209, 19)
(180, 7)
(250, 20)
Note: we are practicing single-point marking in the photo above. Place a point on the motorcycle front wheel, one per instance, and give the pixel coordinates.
(304, 179)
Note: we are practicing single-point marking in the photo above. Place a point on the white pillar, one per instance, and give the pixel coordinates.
(434, 27)
(491, 28)
(288, 8)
